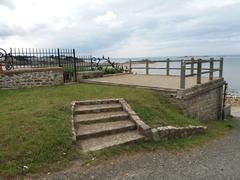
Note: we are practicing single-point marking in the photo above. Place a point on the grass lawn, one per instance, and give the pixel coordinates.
(35, 128)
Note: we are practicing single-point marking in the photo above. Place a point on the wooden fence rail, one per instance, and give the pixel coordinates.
(196, 68)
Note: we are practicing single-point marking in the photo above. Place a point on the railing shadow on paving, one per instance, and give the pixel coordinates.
(186, 68)
(19, 58)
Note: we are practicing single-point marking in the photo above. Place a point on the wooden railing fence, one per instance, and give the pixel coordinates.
(196, 68)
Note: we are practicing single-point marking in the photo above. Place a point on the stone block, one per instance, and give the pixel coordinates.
(155, 135)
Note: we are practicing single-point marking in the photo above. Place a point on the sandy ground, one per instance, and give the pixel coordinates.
(157, 81)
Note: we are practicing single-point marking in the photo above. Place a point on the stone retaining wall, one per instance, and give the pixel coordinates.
(171, 132)
(203, 102)
(31, 77)
(233, 100)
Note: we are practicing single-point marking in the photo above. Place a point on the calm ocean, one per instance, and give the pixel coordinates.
(232, 72)
(231, 69)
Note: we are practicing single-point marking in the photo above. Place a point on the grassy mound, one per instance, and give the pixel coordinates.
(35, 128)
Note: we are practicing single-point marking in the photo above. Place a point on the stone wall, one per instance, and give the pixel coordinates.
(171, 132)
(203, 102)
(233, 100)
(88, 74)
(32, 77)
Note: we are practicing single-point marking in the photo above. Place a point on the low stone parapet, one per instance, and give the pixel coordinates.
(171, 132)
(88, 74)
(31, 77)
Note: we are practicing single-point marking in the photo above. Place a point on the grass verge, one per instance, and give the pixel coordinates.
(34, 125)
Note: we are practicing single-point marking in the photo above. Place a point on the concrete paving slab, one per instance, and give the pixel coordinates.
(156, 81)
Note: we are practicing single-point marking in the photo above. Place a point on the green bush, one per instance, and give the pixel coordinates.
(110, 70)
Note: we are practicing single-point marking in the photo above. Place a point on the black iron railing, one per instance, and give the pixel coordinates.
(6, 59)
(19, 58)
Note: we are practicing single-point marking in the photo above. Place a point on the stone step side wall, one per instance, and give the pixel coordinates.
(202, 102)
(32, 77)
(171, 132)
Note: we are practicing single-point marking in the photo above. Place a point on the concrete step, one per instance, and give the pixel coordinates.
(98, 129)
(92, 102)
(96, 108)
(93, 144)
(100, 117)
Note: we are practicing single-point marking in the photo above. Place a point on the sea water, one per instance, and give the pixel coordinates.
(231, 73)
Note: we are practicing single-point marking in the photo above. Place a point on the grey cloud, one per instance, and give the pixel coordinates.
(7, 31)
(8, 3)
(167, 27)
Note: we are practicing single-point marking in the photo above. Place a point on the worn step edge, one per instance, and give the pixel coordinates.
(101, 129)
(97, 101)
(108, 141)
(97, 109)
(101, 118)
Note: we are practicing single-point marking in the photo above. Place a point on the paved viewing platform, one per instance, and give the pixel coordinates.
(150, 81)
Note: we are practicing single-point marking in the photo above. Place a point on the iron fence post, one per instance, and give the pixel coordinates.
(59, 63)
(75, 67)
(91, 61)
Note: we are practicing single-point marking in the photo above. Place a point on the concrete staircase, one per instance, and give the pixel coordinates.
(97, 124)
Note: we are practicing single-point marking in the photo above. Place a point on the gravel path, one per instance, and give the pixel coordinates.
(218, 160)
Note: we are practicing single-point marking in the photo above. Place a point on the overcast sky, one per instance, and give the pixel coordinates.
(123, 28)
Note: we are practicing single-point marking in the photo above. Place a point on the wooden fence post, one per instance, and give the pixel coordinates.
(211, 68)
(168, 67)
(183, 75)
(130, 66)
(147, 66)
(199, 71)
(221, 68)
(192, 66)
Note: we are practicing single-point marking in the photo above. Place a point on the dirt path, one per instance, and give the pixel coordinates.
(218, 160)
